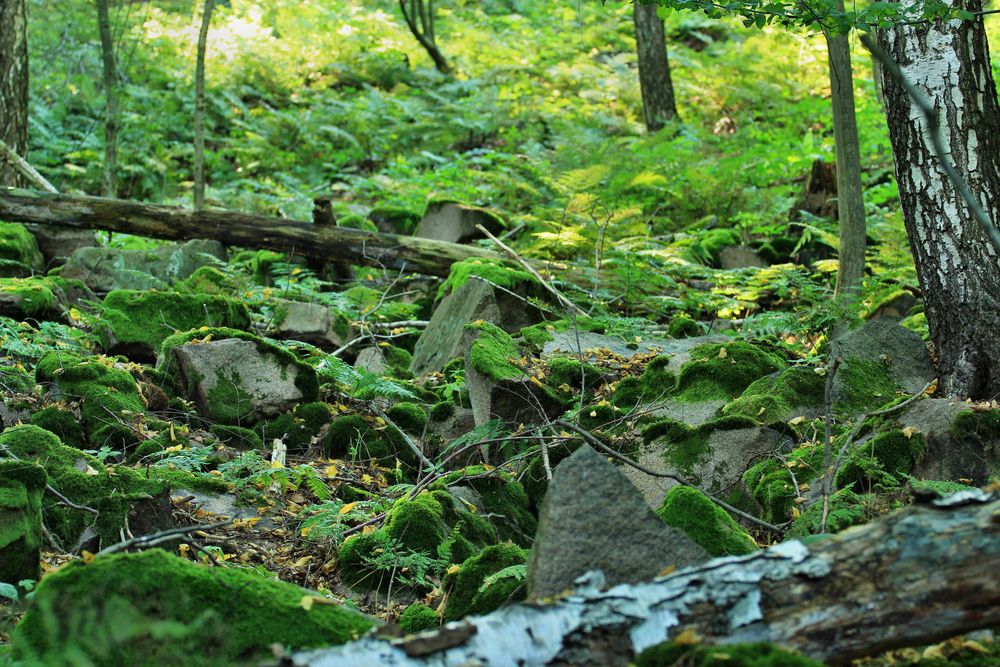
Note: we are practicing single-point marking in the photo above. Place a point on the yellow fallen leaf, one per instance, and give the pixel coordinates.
(723, 353)
(454, 568)
(307, 602)
(331, 471)
(302, 562)
(796, 420)
(909, 431)
(936, 651)
(687, 637)
(305, 530)
(535, 381)
(86, 557)
(347, 508)
(670, 569)
(974, 646)
(171, 450)
(795, 513)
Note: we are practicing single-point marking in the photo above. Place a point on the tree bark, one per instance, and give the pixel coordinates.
(424, 32)
(199, 107)
(111, 97)
(13, 84)
(659, 105)
(324, 242)
(958, 268)
(923, 574)
(850, 198)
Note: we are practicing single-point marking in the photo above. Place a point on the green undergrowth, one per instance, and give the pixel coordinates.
(669, 654)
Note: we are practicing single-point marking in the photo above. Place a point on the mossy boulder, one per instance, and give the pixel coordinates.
(298, 428)
(237, 437)
(793, 392)
(476, 589)
(210, 280)
(770, 481)
(724, 370)
(683, 326)
(63, 423)
(705, 522)
(358, 438)
(136, 323)
(22, 486)
(153, 608)
(890, 453)
(494, 353)
(500, 496)
(419, 617)
(17, 244)
(758, 654)
(111, 399)
(498, 272)
(36, 297)
(409, 417)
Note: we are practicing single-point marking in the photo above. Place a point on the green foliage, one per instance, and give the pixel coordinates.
(706, 523)
(494, 271)
(669, 654)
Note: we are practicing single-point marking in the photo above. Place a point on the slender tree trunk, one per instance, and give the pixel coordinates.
(958, 268)
(199, 108)
(13, 84)
(421, 24)
(850, 198)
(111, 94)
(658, 103)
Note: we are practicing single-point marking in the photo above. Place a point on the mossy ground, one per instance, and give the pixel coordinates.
(690, 510)
(419, 617)
(774, 399)
(153, 608)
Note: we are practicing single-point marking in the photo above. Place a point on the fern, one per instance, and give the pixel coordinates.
(328, 520)
(517, 572)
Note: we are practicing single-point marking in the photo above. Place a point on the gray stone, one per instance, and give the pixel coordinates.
(372, 360)
(511, 401)
(693, 413)
(313, 323)
(949, 456)
(593, 344)
(231, 369)
(224, 506)
(456, 223)
(445, 337)
(106, 269)
(739, 257)
(901, 351)
(57, 244)
(592, 518)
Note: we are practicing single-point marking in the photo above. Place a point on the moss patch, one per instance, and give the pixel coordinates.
(237, 437)
(209, 280)
(352, 436)
(467, 593)
(298, 428)
(690, 510)
(419, 617)
(684, 446)
(888, 453)
(22, 486)
(864, 386)
(61, 422)
(17, 244)
(494, 353)
(774, 399)
(496, 271)
(759, 654)
(770, 483)
(408, 416)
(153, 608)
(724, 370)
(847, 509)
(37, 295)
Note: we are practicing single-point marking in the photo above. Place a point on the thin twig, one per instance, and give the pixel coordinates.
(596, 443)
(25, 168)
(154, 539)
(530, 269)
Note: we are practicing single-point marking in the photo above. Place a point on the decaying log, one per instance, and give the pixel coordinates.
(920, 575)
(323, 242)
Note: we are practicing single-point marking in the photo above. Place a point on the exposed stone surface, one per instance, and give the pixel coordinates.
(592, 518)
(565, 342)
(901, 351)
(372, 360)
(456, 223)
(739, 257)
(59, 243)
(512, 401)
(233, 380)
(949, 456)
(105, 269)
(445, 337)
(312, 323)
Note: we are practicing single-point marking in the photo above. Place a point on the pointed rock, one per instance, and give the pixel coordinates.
(592, 518)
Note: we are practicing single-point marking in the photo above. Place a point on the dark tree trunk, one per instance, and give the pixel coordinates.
(13, 84)
(658, 102)
(419, 19)
(199, 107)
(111, 95)
(958, 268)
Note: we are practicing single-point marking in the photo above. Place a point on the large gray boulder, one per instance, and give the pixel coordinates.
(445, 337)
(106, 269)
(456, 223)
(313, 323)
(592, 518)
(897, 351)
(236, 381)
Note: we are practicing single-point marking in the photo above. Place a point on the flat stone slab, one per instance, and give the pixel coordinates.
(592, 344)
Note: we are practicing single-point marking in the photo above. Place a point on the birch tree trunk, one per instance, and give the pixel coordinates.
(111, 95)
(13, 84)
(658, 103)
(199, 107)
(958, 268)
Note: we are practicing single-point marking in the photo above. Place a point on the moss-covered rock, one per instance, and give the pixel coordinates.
(137, 322)
(237, 437)
(419, 617)
(683, 447)
(705, 522)
(496, 271)
(260, 264)
(63, 423)
(474, 590)
(22, 486)
(503, 498)
(861, 386)
(17, 244)
(724, 370)
(494, 353)
(110, 395)
(760, 654)
(770, 484)
(792, 392)
(890, 452)
(537, 335)
(298, 428)
(29, 297)
(357, 438)
(683, 326)
(847, 509)
(153, 608)
(209, 280)
(571, 372)
(408, 416)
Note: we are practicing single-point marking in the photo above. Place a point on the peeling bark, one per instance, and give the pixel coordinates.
(322, 242)
(13, 84)
(925, 573)
(958, 268)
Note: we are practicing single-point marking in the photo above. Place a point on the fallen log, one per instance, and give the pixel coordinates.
(925, 573)
(322, 242)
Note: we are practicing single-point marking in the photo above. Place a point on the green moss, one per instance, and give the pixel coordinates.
(37, 295)
(595, 417)
(628, 392)
(683, 326)
(441, 410)
(417, 524)
(866, 385)
(22, 486)
(408, 416)
(419, 617)
(298, 428)
(18, 244)
(237, 437)
(985, 425)
(352, 436)
(498, 272)
(209, 280)
(569, 371)
(758, 654)
(494, 353)
(774, 399)
(467, 595)
(260, 264)
(890, 452)
(770, 483)
(401, 220)
(724, 370)
(365, 300)
(504, 501)
(354, 556)
(153, 608)
(146, 318)
(357, 222)
(537, 335)
(534, 481)
(690, 510)
(63, 423)
(940, 487)
(111, 397)
(847, 509)
(917, 323)
(684, 446)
